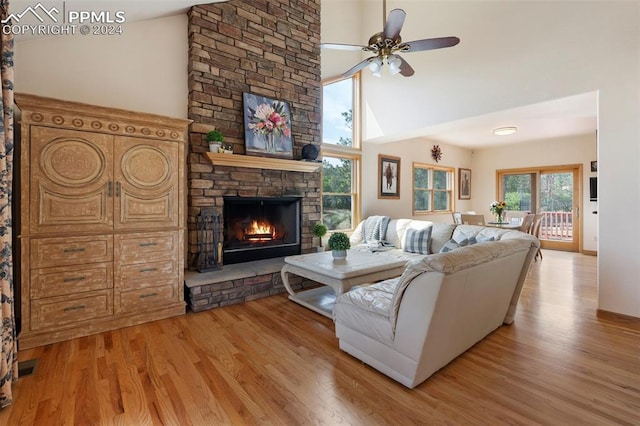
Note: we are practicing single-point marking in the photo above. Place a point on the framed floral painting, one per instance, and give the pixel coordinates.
(267, 127)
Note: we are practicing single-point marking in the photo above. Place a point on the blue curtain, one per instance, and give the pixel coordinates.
(8, 346)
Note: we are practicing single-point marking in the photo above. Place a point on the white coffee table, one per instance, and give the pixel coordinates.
(338, 275)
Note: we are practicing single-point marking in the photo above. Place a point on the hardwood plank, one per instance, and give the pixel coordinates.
(271, 361)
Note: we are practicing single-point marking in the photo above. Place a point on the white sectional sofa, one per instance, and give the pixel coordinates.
(411, 326)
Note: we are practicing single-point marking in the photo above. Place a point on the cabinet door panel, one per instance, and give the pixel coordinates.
(71, 177)
(147, 191)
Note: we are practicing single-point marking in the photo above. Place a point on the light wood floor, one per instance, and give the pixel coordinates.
(274, 362)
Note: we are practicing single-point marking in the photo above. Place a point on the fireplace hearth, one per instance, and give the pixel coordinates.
(260, 228)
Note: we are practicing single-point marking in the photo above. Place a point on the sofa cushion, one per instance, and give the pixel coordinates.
(453, 244)
(450, 245)
(440, 234)
(367, 309)
(417, 241)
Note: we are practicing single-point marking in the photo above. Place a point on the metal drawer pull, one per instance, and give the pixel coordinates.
(147, 244)
(144, 296)
(74, 308)
(68, 280)
(74, 250)
(148, 270)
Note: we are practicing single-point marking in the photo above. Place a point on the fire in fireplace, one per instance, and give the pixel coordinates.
(260, 231)
(260, 228)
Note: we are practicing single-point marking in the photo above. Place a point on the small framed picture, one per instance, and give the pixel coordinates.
(594, 166)
(388, 176)
(464, 184)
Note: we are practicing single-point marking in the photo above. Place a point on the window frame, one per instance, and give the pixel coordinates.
(432, 191)
(352, 153)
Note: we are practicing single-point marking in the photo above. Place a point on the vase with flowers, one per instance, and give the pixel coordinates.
(498, 208)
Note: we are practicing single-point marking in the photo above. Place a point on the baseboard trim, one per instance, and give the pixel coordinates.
(590, 252)
(626, 321)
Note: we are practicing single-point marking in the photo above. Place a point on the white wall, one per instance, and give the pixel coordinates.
(144, 69)
(340, 23)
(521, 53)
(568, 150)
(418, 151)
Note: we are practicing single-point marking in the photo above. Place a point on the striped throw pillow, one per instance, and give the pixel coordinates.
(417, 240)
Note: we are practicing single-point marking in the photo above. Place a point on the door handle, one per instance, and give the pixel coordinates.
(117, 189)
(109, 189)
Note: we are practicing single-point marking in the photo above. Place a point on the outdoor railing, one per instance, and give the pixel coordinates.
(557, 226)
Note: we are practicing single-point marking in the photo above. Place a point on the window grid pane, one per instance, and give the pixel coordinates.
(337, 113)
(432, 189)
(337, 193)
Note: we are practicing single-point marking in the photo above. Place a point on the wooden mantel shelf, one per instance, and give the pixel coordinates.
(239, 160)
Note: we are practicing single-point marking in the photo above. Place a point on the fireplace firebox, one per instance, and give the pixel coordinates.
(260, 228)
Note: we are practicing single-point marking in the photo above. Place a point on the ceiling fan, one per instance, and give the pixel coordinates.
(387, 44)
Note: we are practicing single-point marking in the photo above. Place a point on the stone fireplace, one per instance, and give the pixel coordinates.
(269, 49)
(260, 228)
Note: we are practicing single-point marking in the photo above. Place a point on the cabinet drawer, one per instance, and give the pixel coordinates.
(136, 300)
(47, 252)
(63, 310)
(50, 282)
(145, 274)
(149, 246)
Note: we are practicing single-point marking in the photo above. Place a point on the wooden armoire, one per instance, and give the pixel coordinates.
(102, 199)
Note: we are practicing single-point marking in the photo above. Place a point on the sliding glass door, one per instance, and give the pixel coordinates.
(554, 192)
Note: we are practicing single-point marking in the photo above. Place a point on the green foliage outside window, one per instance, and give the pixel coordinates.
(336, 193)
(431, 189)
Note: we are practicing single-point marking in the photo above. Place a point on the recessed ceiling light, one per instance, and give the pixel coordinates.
(504, 131)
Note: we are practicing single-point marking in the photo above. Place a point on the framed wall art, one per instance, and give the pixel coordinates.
(464, 184)
(267, 127)
(388, 176)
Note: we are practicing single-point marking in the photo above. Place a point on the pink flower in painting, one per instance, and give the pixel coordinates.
(269, 119)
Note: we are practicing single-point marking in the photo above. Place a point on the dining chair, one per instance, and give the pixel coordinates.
(535, 231)
(472, 219)
(527, 222)
(457, 218)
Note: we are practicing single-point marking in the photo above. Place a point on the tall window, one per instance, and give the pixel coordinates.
(432, 188)
(341, 153)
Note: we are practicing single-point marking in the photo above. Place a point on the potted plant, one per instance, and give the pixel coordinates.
(339, 244)
(319, 230)
(215, 138)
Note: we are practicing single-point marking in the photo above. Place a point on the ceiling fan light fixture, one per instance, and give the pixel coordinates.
(394, 62)
(376, 66)
(505, 131)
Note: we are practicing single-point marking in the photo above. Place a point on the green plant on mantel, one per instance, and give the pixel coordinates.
(215, 136)
(339, 241)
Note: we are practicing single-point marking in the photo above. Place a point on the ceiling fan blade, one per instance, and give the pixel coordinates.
(429, 44)
(358, 67)
(405, 68)
(394, 24)
(339, 46)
